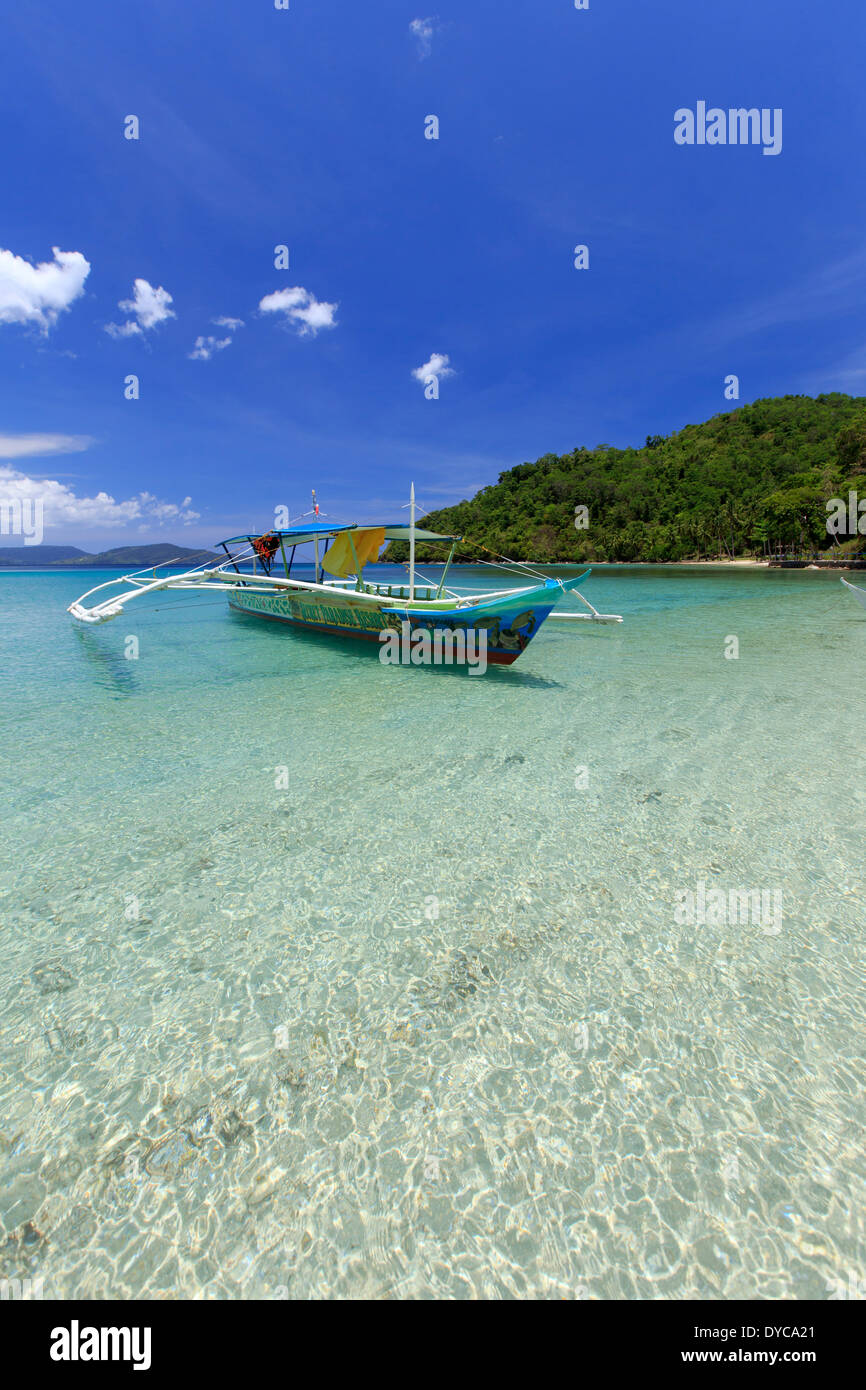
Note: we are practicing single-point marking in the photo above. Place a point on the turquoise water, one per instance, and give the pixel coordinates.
(324, 978)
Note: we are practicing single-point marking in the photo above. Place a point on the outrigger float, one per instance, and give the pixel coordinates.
(859, 594)
(346, 605)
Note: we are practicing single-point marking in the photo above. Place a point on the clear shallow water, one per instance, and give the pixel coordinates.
(425, 1023)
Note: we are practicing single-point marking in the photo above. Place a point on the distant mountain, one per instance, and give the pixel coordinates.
(750, 480)
(39, 557)
(142, 555)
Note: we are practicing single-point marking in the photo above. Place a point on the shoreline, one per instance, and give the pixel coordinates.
(677, 564)
(856, 564)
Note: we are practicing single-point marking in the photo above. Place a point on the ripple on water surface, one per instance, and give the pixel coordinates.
(324, 978)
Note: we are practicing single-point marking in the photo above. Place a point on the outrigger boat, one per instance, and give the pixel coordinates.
(859, 594)
(259, 582)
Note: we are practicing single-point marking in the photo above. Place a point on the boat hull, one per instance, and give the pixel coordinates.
(509, 622)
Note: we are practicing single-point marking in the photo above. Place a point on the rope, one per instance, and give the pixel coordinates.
(167, 564)
(519, 567)
(189, 603)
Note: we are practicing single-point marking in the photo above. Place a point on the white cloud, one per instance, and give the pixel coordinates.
(149, 305)
(19, 446)
(437, 366)
(123, 330)
(167, 511)
(63, 508)
(422, 31)
(301, 308)
(206, 347)
(149, 308)
(39, 293)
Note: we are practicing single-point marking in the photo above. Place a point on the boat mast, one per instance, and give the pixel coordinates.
(316, 542)
(446, 569)
(411, 542)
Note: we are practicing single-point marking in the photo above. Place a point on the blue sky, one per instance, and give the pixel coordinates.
(261, 127)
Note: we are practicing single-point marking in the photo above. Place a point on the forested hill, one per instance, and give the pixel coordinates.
(757, 476)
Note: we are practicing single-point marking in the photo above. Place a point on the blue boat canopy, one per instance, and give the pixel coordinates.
(310, 530)
(307, 531)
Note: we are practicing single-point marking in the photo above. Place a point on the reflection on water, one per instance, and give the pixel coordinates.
(341, 979)
(115, 671)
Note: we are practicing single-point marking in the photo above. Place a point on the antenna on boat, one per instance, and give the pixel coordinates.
(411, 542)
